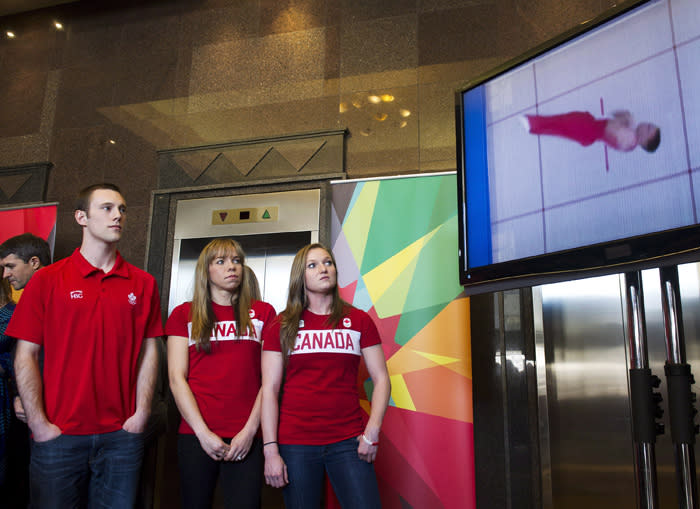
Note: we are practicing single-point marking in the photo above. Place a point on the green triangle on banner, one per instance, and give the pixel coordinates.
(266, 214)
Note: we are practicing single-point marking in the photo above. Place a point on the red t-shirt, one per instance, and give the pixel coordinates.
(320, 402)
(91, 326)
(226, 381)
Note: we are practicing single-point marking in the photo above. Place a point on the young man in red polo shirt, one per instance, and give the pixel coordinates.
(98, 319)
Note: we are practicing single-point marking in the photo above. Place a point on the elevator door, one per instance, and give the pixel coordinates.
(270, 240)
(582, 363)
(269, 255)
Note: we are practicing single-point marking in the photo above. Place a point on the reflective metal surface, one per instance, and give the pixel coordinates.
(675, 348)
(589, 416)
(585, 419)
(269, 255)
(644, 451)
(669, 306)
(269, 246)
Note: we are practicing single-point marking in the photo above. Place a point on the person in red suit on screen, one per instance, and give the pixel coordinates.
(618, 132)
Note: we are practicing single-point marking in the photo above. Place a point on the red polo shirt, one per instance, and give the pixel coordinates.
(320, 400)
(91, 326)
(225, 382)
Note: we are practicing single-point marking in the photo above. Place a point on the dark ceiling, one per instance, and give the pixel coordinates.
(8, 7)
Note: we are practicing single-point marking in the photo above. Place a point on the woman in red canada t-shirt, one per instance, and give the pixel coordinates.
(214, 347)
(312, 353)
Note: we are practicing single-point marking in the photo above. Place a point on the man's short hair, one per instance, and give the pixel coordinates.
(82, 202)
(25, 247)
(653, 143)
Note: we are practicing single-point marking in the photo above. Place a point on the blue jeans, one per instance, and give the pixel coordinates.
(94, 471)
(353, 479)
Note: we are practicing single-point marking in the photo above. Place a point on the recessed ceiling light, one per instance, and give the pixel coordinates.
(10, 35)
(58, 25)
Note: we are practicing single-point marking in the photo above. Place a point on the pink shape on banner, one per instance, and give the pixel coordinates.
(421, 441)
(347, 293)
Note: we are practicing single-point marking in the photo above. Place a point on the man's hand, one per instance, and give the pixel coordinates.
(45, 432)
(136, 423)
(19, 410)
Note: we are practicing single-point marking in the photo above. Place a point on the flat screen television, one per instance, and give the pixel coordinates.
(560, 172)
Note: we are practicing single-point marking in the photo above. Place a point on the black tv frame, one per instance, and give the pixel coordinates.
(667, 247)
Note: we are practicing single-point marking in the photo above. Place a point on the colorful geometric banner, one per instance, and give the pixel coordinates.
(395, 241)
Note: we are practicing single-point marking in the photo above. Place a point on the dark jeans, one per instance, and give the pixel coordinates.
(241, 481)
(353, 479)
(94, 471)
(16, 494)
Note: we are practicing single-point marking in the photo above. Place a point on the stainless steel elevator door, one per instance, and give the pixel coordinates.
(269, 255)
(589, 417)
(587, 427)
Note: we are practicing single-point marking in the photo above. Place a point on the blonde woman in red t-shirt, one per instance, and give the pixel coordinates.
(214, 346)
(312, 354)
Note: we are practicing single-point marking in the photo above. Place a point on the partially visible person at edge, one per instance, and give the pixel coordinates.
(214, 348)
(312, 354)
(6, 344)
(98, 320)
(20, 257)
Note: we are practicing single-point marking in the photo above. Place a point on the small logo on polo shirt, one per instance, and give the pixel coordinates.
(346, 322)
(76, 294)
(251, 313)
(132, 299)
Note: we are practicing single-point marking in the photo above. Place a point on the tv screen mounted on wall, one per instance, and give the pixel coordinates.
(583, 156)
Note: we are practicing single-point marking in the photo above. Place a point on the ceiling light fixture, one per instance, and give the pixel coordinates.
(10, 35)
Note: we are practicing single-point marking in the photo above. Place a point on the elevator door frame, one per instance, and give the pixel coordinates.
(296, 212)
(165, 202)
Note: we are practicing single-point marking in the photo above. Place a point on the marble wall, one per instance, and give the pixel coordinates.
(122, 80)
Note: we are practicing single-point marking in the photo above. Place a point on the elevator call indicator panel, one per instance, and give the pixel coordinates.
(249, 215)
